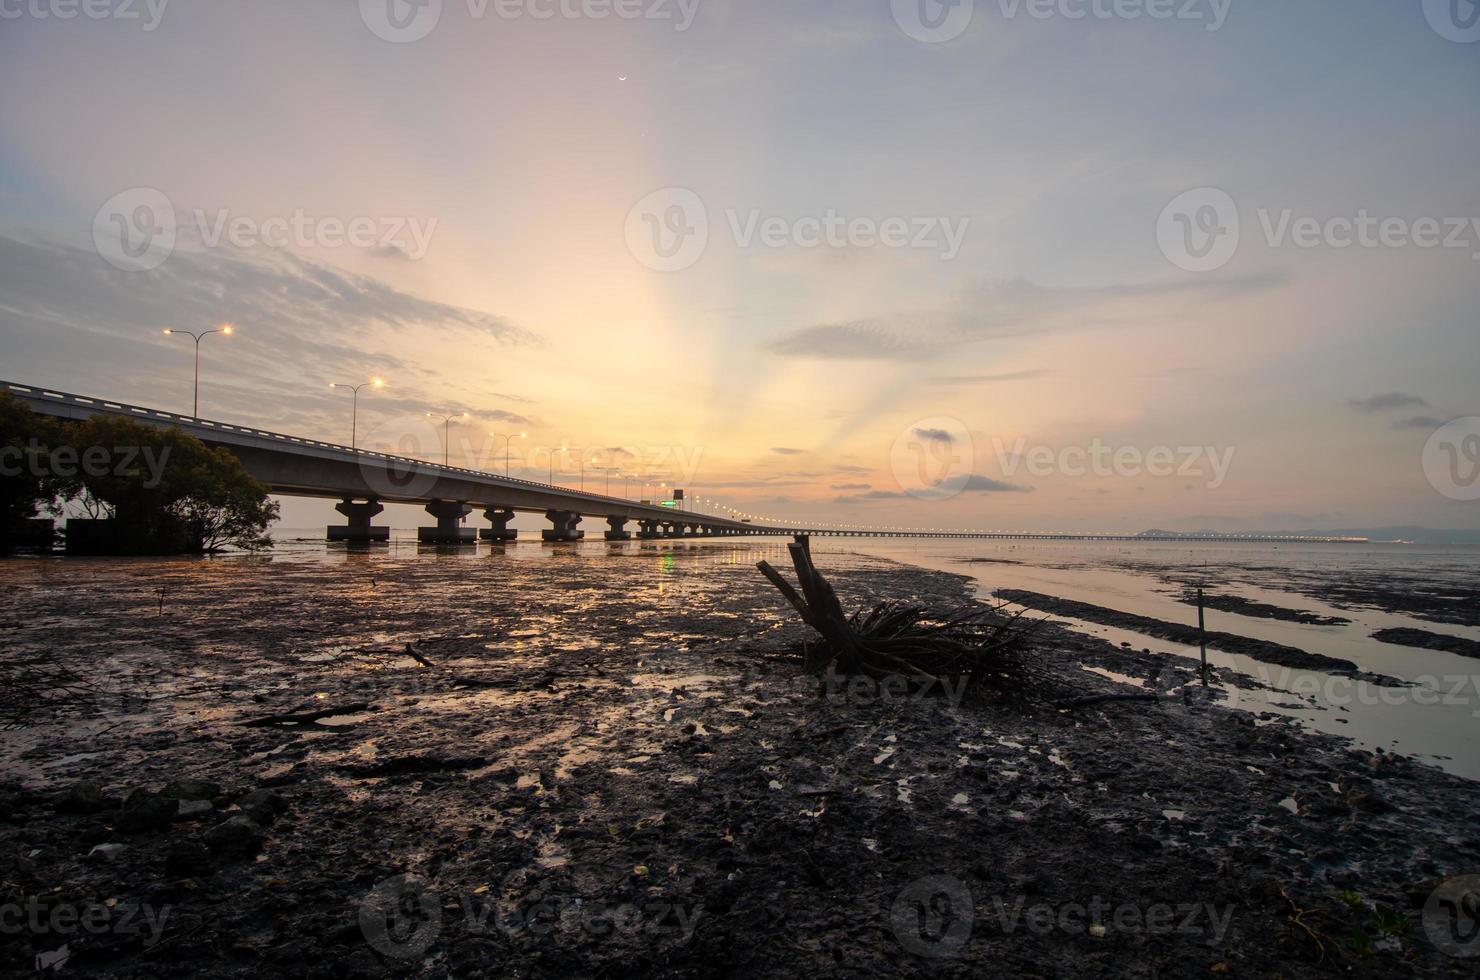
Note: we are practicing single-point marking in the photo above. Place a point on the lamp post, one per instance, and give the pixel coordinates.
(225, 329)
(354, 414)
(608, 471)
(506, 439)
(446, 439)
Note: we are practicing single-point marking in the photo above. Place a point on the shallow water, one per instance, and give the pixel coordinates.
(1437, 719)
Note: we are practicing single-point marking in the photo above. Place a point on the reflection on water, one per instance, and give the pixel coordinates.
(196, 637)
(1437, 718)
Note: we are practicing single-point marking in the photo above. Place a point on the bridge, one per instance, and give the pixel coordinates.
(363, 480)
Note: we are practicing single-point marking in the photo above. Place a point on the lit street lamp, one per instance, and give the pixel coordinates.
(226, 329)
(506, 439)
(446, 421)
(354, 415)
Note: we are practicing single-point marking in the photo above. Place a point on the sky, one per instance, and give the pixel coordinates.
(1002, 264)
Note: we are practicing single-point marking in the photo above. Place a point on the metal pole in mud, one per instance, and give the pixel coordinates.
(1202, 639)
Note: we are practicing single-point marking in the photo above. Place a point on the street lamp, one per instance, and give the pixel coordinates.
(446, 421)
(608, 470)
(354, 415)
(506, 439)
(224, 328)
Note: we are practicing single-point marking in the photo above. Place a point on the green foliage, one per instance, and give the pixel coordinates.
(24, 489)
(167, 491)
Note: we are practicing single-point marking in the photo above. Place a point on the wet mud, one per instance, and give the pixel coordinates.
(548, 763)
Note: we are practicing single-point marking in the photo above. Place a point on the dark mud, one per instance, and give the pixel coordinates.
(1426, 640)
(1450, 597)
(1263, 650)
(612, 769)
(1263, 610)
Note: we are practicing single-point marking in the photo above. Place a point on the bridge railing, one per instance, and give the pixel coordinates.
(123, 408)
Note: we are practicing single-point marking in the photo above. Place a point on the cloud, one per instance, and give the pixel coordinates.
(975, 483)
(985, 379)
(280, 295)
(1419, 422)
(499, 415)
(787, 450)
(985, 484)
(937, 434)
(1391, 400)
(850, 486)
(990, 310)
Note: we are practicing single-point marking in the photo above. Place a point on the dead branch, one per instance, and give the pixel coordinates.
(891, 639)
(308, 717)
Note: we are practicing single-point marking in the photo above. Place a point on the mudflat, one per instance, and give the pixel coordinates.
(549, 763)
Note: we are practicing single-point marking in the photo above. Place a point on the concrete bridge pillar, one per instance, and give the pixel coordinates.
(650, 529)
(564, 529)
(359, 528)
(449, 529)
(499, 517)
(617, 524)
(674, 529)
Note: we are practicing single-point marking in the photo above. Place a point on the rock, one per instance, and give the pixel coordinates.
(263, 806)
(186, 859)
(80, 798)
(194, 809)
(237, 836)
(144, 811)
(106, 852)
(191, 789)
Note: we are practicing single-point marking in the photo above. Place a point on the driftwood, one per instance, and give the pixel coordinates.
(896, 640)
(308, 717)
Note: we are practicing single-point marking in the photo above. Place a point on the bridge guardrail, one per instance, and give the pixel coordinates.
(153, 413)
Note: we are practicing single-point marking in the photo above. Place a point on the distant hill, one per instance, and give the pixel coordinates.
(1418, 535)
